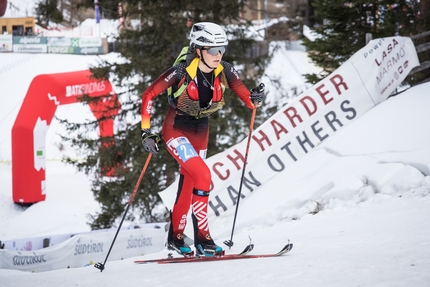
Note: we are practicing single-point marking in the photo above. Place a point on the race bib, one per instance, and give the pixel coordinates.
(183, 148)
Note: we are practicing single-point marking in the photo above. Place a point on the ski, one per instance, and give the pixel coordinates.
(170, 257)
(242, 255)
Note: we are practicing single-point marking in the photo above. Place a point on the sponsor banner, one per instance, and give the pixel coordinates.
(86, 249)
(36, 243)
(75, 50)
(59, 42)
(30, 244)
(365, 80)
(34, 40)
(74, 42)
(383, 64)
(6, 43)
(90, 42)
(89, 50)
(86, 89)
(61, 49)
(30, 48)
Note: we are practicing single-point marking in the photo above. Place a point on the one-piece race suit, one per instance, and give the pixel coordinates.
(185, 132)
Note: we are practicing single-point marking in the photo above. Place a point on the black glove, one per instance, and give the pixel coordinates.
(150, 141)
(257, 94)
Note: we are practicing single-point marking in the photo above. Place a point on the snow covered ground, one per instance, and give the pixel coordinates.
(368, 225)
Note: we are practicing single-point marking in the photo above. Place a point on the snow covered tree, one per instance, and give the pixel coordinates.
(46, 11)
(342, 27)
(152, 35)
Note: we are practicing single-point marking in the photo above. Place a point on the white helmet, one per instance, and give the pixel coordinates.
(206, 34)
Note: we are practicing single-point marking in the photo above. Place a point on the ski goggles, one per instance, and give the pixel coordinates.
(215, 50)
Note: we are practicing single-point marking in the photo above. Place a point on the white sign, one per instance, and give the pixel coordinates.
(362, 82)
(30, 48)
(59, 42)
(86, 249)
(90, 42)
(6, 43)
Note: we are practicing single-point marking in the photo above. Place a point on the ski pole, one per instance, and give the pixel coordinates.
(100, 265)
(230, 243)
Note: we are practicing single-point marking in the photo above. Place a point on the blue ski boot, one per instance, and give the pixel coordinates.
(177, 243)
(208, 248)
(180, 246)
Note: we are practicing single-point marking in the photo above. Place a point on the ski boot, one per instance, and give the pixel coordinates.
(180, 246)
(177, 243)
(208, 248)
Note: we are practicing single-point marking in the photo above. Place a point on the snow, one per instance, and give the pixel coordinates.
(356, 207)
(285, 72)
(20, 8)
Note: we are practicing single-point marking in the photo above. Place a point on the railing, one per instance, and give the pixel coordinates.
(422, 48)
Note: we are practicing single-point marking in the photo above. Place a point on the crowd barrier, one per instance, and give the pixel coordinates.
(82, 249)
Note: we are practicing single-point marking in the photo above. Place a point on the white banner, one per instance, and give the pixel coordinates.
(59, 42)
(5, 43)
(365, 80)
(40, 242)
(30, 48)
(90, 42)
(86, 249)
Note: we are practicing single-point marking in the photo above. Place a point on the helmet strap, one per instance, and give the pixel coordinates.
(204, 62)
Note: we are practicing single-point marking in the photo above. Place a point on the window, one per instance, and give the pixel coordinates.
(28, 31)
(17, 30)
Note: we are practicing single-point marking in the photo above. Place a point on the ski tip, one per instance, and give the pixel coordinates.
(247, 249)
(287, 248)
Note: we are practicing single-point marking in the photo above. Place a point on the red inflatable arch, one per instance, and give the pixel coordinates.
(45, 93)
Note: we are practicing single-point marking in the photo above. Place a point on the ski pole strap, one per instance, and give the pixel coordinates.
(200, 192)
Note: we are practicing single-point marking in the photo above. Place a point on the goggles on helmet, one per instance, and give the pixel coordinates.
(215, 50)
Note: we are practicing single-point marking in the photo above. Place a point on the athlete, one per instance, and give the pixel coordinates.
(198, 90)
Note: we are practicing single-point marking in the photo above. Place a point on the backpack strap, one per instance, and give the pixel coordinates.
(191, 72)
(176, 91)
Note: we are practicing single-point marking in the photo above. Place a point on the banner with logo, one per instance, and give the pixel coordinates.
(81, 46)
(60, 45)
(6, 43)
(86, 249)
(36, 243)
(59, 42)
(365, 80)
(90, 42)
(30, 44)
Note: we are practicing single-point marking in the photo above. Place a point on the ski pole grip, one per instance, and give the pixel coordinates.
(259, 88)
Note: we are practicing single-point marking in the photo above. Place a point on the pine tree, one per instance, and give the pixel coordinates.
(46, 11)
(152, 36)
(342, 29)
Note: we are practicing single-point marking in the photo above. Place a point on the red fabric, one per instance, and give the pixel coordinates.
(45, 94)
(195, 174)
(187, 142)
(175, 74)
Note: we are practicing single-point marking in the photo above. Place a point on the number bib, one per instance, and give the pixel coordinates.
(183, 148)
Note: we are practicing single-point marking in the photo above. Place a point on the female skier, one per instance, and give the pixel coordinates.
(198, 85)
